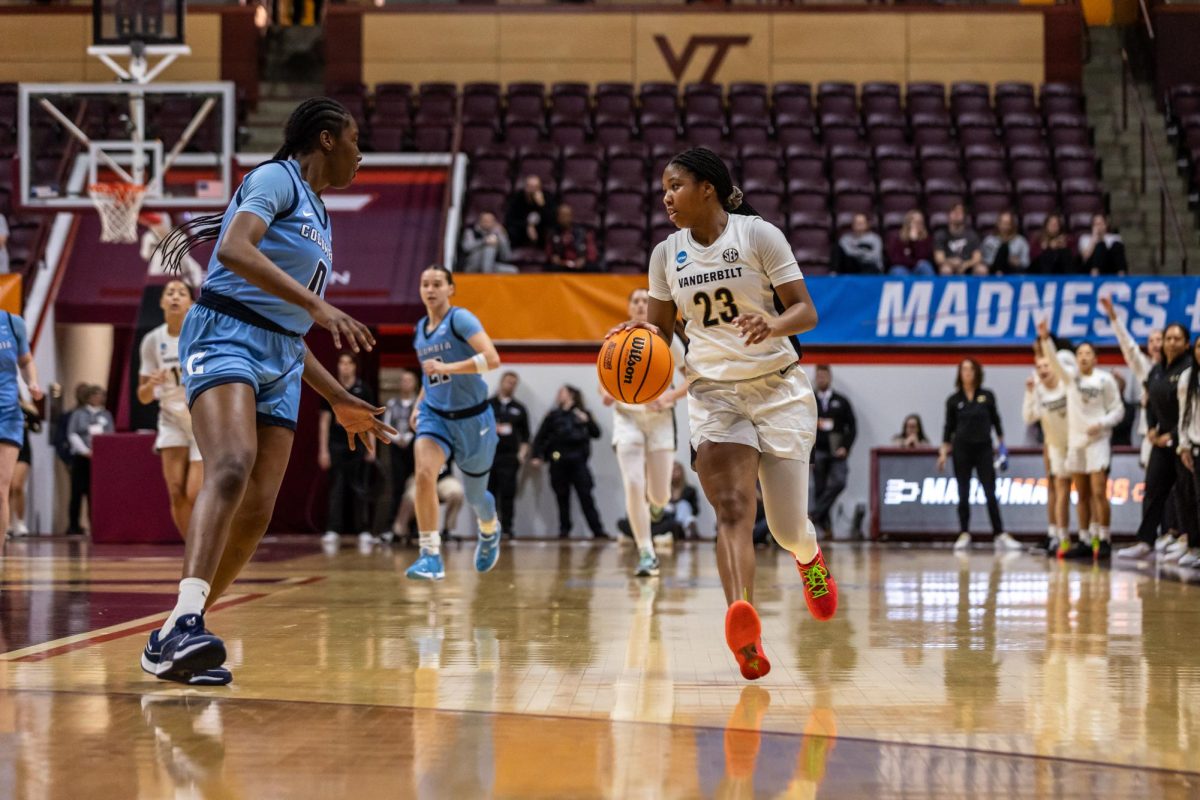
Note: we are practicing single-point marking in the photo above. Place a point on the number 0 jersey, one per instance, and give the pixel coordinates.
(298, 240)
(713, 285)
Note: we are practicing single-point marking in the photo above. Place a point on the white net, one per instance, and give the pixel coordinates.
(118, 205)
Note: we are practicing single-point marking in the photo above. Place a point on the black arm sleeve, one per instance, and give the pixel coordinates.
(1152, 418)
(851, 431)
(592, 428)
(951, 420)
(539, 441)
(995, 412)
(521, 429)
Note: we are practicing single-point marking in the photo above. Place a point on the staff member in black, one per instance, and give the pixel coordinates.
(512, 426)
(564, 439)
(836, 429)
(1166, 475)
(349, 470)
(400, 451)
(970, 417)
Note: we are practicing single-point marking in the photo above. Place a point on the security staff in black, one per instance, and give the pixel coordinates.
(512, 427)
(564, 440)
(971, 416)
(836, 430)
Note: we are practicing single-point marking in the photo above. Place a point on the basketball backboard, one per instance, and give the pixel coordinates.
(146, 22)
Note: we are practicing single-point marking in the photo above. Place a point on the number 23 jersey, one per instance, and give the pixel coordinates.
(713, 285)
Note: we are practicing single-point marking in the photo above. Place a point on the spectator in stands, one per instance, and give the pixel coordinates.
(1005, 251)
(910, 250)
(1052, 252)
(3, 245)
(1122, 434)
(1102, 252)
(956, 247)
(349, 470)
(836, 429)
(571, 247)
(512, 428)
(485, 246)
(564, 439)
(87, 421)
(912, 433)
(400, 451)
(530, 212)
(860, 250)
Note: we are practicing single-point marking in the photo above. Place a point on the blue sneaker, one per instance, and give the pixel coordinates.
(487, 551)
(647, 565)
(428, 567)
(152, 656)
(188, 650)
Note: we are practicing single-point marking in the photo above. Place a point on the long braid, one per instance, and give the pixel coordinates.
(705, 165)
(301, 135)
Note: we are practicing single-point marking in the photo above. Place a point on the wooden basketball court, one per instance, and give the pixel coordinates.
(559, 676)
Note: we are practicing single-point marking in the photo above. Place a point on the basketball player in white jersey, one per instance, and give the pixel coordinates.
(752, 412)
(159, 378)
(1046, 404)
(644, 439)
(1094, 408)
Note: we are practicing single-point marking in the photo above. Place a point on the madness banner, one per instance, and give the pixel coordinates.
(910, 497)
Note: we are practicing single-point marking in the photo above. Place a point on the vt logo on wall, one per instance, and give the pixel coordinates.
(678, 64)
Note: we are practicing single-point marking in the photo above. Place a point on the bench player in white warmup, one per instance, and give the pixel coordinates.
(1046, 403)
(752, 412)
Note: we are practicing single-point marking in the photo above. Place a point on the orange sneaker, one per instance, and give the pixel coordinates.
(743, 634)
(820, 589)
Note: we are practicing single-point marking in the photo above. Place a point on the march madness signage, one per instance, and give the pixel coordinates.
(864, 310)
(909, 497)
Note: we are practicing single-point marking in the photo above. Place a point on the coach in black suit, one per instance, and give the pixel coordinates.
(512, 426)
(835, 436)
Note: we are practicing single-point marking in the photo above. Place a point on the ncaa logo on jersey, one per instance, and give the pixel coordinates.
(730, 255)
(681, 257)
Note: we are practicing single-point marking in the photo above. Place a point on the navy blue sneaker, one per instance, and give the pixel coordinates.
(487, 551)
(152, 657)
(188, 650)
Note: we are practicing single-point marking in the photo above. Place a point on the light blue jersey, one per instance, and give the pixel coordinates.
(14, 345)
(448, 343)
(298, 240)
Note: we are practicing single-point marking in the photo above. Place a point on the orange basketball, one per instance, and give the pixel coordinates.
(635, 366)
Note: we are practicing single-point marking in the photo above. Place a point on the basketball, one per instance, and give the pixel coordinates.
(635, 366)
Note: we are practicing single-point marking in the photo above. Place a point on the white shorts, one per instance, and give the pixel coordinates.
(653, 429)
(172, 435)
(1058, 461)
(775, 413)
(1094, 457)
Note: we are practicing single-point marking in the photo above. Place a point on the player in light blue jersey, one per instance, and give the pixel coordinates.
(243, 359)
(14, 356)
(452, 417)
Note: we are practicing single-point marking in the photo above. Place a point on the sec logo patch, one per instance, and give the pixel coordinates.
(730, 255)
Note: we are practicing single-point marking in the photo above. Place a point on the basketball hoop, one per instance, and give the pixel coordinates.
(118, 204)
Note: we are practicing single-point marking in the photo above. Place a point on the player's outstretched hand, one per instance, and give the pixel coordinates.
(1106, 303)
(629, 325)
(753, 327)
(361, 421)
(343, 326)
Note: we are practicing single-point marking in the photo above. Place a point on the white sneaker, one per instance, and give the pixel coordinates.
(18, 528)
(1191, 558)
(1139, 550)
(1175, 551)
(664, 540)
(366, 538)
(1004, 541)
(1163, 542)
(963, 541)
(330, 537)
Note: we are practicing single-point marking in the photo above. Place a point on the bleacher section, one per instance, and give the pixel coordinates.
(807, 159)
(1183, 124)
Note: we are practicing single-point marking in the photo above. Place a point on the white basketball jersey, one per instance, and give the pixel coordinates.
(160, 351)
(713, 285)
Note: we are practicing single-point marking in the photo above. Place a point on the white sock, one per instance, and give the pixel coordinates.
(193, 592)
(1103, 529)
(489, 528)
(431, 542)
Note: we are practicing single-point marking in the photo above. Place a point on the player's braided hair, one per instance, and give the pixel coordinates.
(705, 165)
(301, 135)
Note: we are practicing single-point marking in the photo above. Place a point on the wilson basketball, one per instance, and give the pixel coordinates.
(635, 366)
